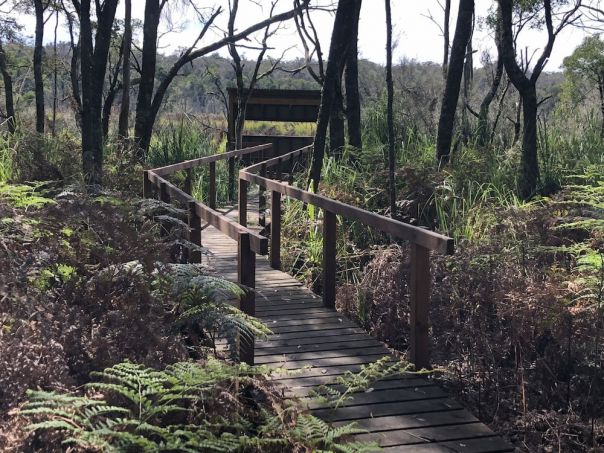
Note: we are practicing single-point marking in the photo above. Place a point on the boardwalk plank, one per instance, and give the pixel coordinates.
(316, 345)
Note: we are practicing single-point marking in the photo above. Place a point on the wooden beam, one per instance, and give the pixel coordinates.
(243, 186)
(147, 185)
(262, 199)
(169, 169)
(419, 299)
(246, 273)
(395, 228)
(222, 223)
(188, 189)
(194, 233)
(212, 188)
(275, 249)
(276, 161)
(329, 259)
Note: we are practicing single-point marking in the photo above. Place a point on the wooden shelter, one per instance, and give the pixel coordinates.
(291, 106)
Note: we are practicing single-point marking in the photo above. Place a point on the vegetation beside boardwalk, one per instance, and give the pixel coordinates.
(107, 340)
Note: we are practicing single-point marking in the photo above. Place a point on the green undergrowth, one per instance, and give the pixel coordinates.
(208, 406)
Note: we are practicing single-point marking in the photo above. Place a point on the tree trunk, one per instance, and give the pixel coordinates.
(446, 37)
(338, 49)
(127, 46)
(463, 30)
(38, 76)
(94, 66)
(351, 82)
(517, 128)
(107, 106)
(11, 121)
(55, 77)
(483, 114)
(146, 119)
(390, 88)
(529, 165)
(601, 92)
(468, 78)
(74, 72)
(144, 114)
(336, 122)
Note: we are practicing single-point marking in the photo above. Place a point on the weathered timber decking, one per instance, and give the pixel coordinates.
(406, 414)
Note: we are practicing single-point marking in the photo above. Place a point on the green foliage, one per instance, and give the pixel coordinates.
(23, 196)
(346, 385)
(581, 209)
(467, 212)
(7, 156)
(587, 60)
(208, 304)
(130, 407)
(173, 143)
(320, 437)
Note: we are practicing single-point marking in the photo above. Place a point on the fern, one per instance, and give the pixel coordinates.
(166, 411)
(208, 303)
(346, 385)
(150, 208)
(313, 432)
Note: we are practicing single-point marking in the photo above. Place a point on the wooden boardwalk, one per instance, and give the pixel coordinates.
(406, 413)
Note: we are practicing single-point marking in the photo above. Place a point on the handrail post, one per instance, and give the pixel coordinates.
(189, 182)
(279, 170)
(275, 250)
(262, 199)
(194, 232)
(419, 298)
(212, 189)
(165, 197)
(329, 259)
(290, 176)
(147, 186)
(243, 185)
(231, 178)
(246, 274)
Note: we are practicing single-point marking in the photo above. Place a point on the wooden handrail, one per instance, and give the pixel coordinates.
(399, 230)
(422, 241)
(169, 169)
(231, 228)
(396, 229)
(275, 161)
(249, 242)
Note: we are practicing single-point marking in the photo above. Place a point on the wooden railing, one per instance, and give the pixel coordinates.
(422, 241)
(268, 175)
(249, 242)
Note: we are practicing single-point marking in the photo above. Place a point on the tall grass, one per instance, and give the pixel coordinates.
(8, 152)
(173, 143)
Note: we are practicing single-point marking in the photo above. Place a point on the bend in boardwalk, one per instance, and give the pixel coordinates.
(405, 413)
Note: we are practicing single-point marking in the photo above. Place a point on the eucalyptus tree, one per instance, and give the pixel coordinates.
(9, 30)
(40, 7)
(343, 30)
(546, 11)
(151, 95)
(244, 84)
(390, 111)
(126, 50)
(348, 68)
(94, 48)
(463, 31)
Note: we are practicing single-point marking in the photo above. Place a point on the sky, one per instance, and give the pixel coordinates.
(415, 35)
